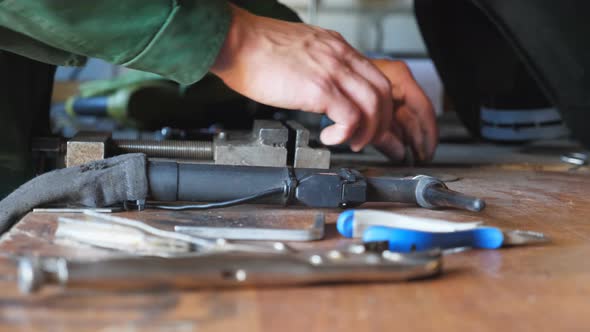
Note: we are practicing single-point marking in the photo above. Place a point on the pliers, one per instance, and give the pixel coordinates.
(407, 234)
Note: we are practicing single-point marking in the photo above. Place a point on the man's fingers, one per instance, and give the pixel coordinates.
(390, 145)
(383, 86)
(340, 109)
(399, 76)
(334, 134)
(408, 95)
(423, 111)
(368, 100)
(412, 132)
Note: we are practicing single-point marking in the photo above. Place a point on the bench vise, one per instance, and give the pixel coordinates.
(270, 143)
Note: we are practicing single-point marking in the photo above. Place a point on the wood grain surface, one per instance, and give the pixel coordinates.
(535, 288)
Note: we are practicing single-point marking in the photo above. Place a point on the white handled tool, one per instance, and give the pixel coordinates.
(353, 223)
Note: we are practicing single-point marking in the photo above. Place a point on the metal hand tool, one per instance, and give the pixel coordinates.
(408, 240)
(77, 210)
(353, 223)
(214, 264)
(270, 143)
(172, 181)
(219, 269)
(139, 238)
(248, 230)
(576, 159)
(119, 237)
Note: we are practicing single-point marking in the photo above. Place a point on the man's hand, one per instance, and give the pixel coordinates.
(414, 122)
(298, 66)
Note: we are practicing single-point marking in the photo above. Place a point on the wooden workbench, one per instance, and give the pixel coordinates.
(536, 288)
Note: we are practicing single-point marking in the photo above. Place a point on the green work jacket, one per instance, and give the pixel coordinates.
(177, 39)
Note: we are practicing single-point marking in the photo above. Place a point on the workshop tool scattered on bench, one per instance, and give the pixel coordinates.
(138, 238)
(190, 261)
(269, 143)
(60, 210)
(408, 234)
(309, 227)
(222, 269)
(406, 240)
(335, 188)
(575, 159)
(353, 222)
(134, 178)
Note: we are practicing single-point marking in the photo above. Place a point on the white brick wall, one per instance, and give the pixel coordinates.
(355, 19)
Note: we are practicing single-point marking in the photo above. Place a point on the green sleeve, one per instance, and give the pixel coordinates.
(178, 39)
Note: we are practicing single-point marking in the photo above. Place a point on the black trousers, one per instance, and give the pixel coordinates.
(25, 97)
(522, 50)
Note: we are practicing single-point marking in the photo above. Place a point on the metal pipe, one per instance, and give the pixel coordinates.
(389, 189)
(172, 181)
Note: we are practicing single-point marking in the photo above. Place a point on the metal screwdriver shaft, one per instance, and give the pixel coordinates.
(444, 197)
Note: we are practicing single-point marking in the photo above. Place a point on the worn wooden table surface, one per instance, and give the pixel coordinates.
(536, 288)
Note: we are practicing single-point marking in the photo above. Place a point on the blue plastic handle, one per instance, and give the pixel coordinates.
(405, 240)
(345, 223)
